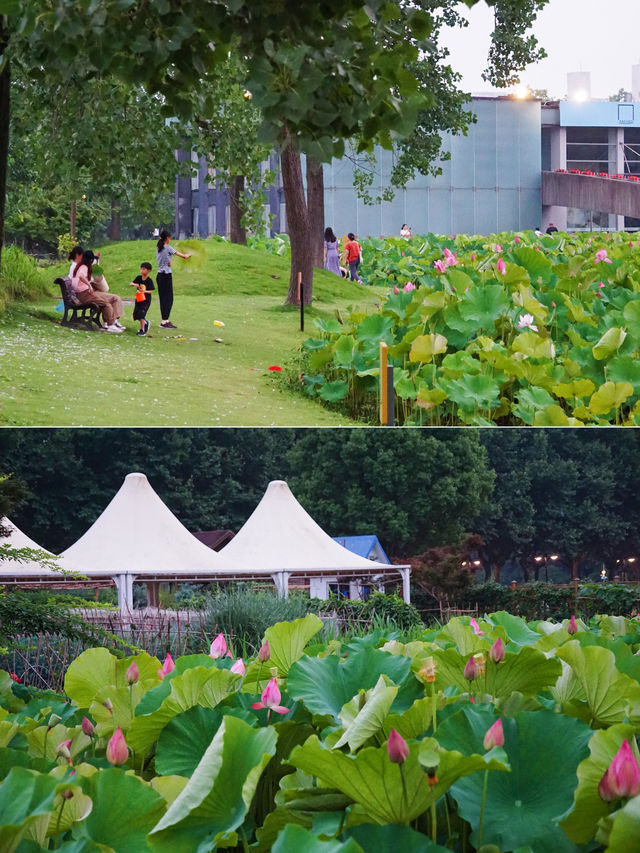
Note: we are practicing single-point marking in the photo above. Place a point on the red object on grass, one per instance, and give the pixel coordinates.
(275, 367)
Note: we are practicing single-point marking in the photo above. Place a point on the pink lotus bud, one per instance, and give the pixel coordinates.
(572, 627)
(396, 289)
(498, 247)
(409, 286)
(218, 647)
(622, 776)
(476, 627)
(497, 651)
(167, 667)
(271, 699)
(473, 256)
(108, 705)
(516, 238)
(63, 749)
(440, 266)
(239, 667)
(132, 675)
(87, 727)
(265, 652)
(494, 735)
(471, 669)
(117, 749)
(501, 267)
(397, 748)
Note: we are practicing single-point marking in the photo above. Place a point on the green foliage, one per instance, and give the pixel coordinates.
(384, 609)
(21, 279)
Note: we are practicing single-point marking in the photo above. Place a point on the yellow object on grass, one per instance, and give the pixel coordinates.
(218, 323)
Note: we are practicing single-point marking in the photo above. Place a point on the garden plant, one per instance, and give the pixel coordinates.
(492, 734)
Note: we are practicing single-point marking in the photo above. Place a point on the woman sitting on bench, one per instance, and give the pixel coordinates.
(110, 304)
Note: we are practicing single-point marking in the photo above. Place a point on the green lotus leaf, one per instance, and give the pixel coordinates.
(610, 395)
(459, 280)
(575, 388)
(538, 266)
(124, 701)
(295, 837)
(326, 684)
(588, 807)
(577, 312)
(153, 698)
(531, 400)
(457, 364)
(465, 640)
(334, 391)
(215, 801)
(554, 416)
(608, 693)
(392, 837)
(515, 628)
(404, 385)
(432, 303)
(168, 786)
(484, 305)
(376, 328)
(624, 834)
(631, 316)
(343, 351)
(66, 812)
(473, 392)
(97, 668)
(533, 346)
(26, 799)
(609, 343)
(319, 359)
(372, 780)
(429, 398)
(185, 739)
(329, 325)
(523, 806)
(416, 720)
(625, 368)
(425, 347)
(364, 715)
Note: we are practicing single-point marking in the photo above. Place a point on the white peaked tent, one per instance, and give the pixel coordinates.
(281, 539)
(14, 570)
(137, 537)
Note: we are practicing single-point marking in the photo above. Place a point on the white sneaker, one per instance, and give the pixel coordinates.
(119, 325)
(114, 329)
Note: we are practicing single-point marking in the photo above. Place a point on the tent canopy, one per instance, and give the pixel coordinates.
(17, 568)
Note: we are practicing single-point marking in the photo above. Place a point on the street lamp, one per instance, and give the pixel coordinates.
(544, 559)
(625, 563)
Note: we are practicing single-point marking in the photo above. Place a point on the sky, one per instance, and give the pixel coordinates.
(600, 36)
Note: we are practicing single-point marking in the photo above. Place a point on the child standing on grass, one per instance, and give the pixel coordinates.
(144, 285)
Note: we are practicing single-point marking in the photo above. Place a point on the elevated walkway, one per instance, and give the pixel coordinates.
(592, 192)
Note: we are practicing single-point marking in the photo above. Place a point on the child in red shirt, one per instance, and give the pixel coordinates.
(353, 254)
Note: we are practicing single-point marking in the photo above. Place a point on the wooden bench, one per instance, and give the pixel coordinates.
(75, 313)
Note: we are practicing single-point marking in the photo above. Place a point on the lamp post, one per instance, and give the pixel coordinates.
(544, 559)
(624, 564)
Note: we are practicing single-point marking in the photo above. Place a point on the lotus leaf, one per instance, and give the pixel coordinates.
(425, 347)
(624, 835)
(295, 837)
(610, 396)
(392, 837)
(364, 715)
(609, 343)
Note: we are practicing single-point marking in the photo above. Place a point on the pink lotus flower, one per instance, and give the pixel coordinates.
(473, 256)
(167, 667)
(516, 238)
(132, 674)
(622, 776)
(440, 265)
(497, 651)
(526, 322)
(63, 749)
(396, 289)
(271, 699)
(572, 627)
(265, 652)
(409, 286)
(494, 735)
(471, 669)
(450, 258)
(239, 667)
(87, 727)
(498, 247)
(601, 285)
(601, 255)
(501, 267)
(476, 627)
(218, 648)
(117, 749)
(397, 747)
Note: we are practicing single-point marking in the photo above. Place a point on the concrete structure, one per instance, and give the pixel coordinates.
(590, 192)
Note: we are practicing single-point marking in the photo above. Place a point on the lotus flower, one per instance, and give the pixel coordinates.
(396, 289)
(63, 749)
(498, 247)
(476, 627)
(271, 699)
(450, 258)
(409, 286)
(428, 669)
(501, 267)
(526, 322)
(494, 735)
(87, 727)
(621, 778)
(480, 663)
(265, 652)
(471, 669)
(440, 266)
(117, 749)
(167, 667)
(601, 285)
(397, 748)
(497, 651)
(133, 674)
(516, 238)
(572, 627)
(601, 255)
(239, 668)
(218, 647)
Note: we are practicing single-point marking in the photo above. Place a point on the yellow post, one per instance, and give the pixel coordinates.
(384, 391)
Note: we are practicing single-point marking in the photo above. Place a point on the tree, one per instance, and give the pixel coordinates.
(621, 95)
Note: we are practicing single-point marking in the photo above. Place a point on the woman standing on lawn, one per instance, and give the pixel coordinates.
(164, 279)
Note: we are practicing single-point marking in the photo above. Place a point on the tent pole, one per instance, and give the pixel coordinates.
(281, 581)
(406, 584)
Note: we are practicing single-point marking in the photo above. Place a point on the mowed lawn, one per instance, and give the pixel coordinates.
(52, 375)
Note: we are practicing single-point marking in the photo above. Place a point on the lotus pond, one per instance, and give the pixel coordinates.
(513, 329)
(492, 735)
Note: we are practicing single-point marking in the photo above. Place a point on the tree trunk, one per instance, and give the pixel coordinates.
(72, 220)
(115, 232)
(5, 113)
(496, 572)
(575, 576)
(315, 206)
(297, 224)
(237, 233)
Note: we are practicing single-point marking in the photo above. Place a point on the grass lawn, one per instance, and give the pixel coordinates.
(56, 376)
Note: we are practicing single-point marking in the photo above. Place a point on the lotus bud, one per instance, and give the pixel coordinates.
(397, 748)
(265, 652)
(622, 776)
(572, 627)
(480, 663)
(476, 627)
(239, 667)
(218, 647)
(497, 651)
(428, 670)
(68, 794)
(87, 727)
(54, 719)
(133, 674)
(63, 749)
(471, 669)
(117, 749)
(167, 667)
(494, 735)
(108, 704)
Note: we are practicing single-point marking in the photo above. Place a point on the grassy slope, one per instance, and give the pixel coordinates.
(55, 376)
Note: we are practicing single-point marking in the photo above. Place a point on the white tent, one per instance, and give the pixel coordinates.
(27, 569)
(281, 539)
(137, 537)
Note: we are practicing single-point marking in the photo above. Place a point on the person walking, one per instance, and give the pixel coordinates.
(164, 278)
(331, 257)
(353, 254)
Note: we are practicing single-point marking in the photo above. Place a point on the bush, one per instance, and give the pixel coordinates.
(379, 609)
(20, 278)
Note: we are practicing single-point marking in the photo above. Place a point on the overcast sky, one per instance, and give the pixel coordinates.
(600, 36)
